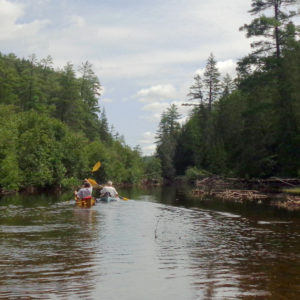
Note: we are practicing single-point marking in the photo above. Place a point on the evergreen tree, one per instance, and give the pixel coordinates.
(104, 127)
(166, 140)
(68, 101)
(90, 88)
(9, 80)
(227, 85)
(51, 136)
(211, 81)
(196, 90)
(29, 89)
(271, 28)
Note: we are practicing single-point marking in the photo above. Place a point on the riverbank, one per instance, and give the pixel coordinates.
(273, 191)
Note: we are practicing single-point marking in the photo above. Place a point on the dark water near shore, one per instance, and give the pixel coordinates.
(159, 245)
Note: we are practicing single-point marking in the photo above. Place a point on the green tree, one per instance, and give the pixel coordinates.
(196, 90)
(166, 140)
(68, 100)
(40, 150)
(29, 88)
(227, 85)
(10, 173)
(152, 169)
(90, 88)
(189, 142)
(9, 79)
(211, 81)
(105, 134)
(271, 28)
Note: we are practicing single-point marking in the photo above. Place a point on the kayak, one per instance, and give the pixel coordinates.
(107, 199)
(85, 202)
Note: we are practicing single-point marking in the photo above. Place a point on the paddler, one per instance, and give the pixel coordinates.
(109, 191)
(85, 192)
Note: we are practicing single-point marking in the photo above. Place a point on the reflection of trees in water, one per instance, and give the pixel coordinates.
(269, 260)
(226, 256)
(49, 253)
(247, 260)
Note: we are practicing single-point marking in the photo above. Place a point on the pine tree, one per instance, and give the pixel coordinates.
(166, 140)
(105, 134)
(90, 87)
(227, 85)
(211, 81)
(272, 28)
(196, 90)
(68, 100)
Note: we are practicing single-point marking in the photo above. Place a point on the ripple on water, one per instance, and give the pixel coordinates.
(143, 250)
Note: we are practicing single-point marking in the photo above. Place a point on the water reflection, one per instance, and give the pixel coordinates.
(226, 257)
(159, 246)
(46, 250)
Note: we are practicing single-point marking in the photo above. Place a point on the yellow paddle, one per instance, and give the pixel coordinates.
(96, 166)
(92, 181)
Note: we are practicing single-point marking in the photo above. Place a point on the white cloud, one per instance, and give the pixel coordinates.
(147, 143)
(154, 110)
(147, 138)
(77, 21)
(9, 13)
(11, 30)
(106, 100)
(227, 67)
(161, 92)
(153, 118)
(117, 34)
(156, 106)
(224, 67)
(149, 150)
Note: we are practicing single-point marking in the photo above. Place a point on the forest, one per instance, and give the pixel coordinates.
(248, 126)
(52, 130)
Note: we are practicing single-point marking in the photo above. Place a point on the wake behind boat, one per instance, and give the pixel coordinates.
(107, 199)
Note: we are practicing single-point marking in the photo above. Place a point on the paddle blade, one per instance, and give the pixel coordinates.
(92, 181)
(96, 166)
(123, 198)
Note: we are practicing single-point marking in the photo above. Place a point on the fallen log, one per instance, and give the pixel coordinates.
(232, 194)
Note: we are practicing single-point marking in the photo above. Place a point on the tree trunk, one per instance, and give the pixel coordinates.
(277, 39)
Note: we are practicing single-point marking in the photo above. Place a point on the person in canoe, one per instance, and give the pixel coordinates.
(85, 192)
(109, 191)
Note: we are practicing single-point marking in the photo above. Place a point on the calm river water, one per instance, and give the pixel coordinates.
(159, 245)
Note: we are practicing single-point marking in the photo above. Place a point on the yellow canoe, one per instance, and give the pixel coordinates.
(85, 202)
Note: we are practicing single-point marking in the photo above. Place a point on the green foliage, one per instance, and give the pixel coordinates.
(211, 80)
(272, 29)
(70, 183)
(251, 128)
(152, 168)
(40, 149)
(167, 136)
(192, 174)
(10, 173)
(54, 134)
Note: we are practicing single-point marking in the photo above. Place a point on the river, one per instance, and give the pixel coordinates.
(160, 244)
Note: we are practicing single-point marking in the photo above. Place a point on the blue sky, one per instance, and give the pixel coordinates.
(145, 53)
